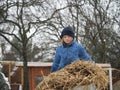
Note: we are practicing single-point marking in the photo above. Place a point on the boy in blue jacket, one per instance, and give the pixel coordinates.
(69, 51)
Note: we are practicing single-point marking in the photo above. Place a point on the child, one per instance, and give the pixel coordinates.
(69, 51)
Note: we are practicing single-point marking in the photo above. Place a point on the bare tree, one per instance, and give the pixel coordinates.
(94, 26)
(22, 22)
(99, 29)
(91, 20)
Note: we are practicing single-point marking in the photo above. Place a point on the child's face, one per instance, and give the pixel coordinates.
(67, 39)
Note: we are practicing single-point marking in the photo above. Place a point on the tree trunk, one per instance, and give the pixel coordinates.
(25, 71)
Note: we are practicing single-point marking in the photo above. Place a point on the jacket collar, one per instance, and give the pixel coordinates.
(65, 45)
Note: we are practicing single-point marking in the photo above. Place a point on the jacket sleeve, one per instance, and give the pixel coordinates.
(83, 54)
(56, 61)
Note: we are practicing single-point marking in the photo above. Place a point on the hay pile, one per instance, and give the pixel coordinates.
(77, 74)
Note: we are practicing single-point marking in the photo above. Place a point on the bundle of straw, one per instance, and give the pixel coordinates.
(77, 74)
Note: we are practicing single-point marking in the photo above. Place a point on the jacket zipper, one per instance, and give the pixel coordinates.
(67, 54)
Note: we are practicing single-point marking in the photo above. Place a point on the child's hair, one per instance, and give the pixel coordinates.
(61, 40)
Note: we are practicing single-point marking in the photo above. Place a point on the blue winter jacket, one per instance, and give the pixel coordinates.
(66, 54)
